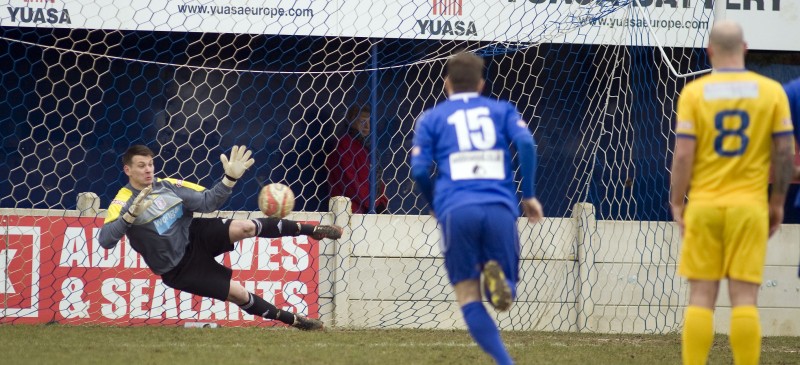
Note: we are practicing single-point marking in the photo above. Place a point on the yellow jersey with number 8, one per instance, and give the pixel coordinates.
(733, 115)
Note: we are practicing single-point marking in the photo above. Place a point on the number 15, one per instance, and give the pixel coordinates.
(474, 128)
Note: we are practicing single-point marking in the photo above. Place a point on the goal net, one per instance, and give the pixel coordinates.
(597, 82)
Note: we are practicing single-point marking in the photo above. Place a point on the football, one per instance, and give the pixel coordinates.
(276, 200)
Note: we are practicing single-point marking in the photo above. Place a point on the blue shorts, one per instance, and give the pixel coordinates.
(473, 235)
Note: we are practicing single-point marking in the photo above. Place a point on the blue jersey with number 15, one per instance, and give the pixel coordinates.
(468, 137)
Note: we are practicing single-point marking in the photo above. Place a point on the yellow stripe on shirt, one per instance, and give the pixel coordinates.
(182, 183)
(119, 201)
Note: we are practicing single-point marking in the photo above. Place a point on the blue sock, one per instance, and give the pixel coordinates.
(484, 331)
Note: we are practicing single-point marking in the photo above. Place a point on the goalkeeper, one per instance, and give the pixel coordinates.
(156, 215)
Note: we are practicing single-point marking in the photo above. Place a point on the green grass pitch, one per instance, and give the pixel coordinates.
(72, 345)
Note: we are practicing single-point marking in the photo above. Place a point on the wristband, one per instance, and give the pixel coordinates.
(228, 181)
(125, 218)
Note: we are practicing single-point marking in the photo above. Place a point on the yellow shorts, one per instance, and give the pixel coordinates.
(724, 242)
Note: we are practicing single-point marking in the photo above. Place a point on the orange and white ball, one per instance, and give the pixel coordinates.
(276, 200)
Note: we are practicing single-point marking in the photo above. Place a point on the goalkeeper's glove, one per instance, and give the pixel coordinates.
(139, 205)
(235, 167)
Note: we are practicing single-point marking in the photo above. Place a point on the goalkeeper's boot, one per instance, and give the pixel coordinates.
(333, 232)
(307, 324)
(497, 289)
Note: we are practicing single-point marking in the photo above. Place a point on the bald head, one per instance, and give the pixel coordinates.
(726, 38)
(726, 46)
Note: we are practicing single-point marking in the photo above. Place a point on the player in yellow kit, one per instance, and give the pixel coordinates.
(732, 124)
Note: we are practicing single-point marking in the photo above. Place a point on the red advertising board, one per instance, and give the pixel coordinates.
(53, 269)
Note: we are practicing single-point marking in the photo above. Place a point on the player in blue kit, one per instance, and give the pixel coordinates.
(792, 90)
(474, 196)
(793, 94)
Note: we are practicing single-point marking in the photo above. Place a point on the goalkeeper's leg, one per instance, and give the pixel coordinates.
(200, 274)
(257, 306)
(275, 227)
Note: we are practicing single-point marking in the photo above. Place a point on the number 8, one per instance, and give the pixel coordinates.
(719, 124)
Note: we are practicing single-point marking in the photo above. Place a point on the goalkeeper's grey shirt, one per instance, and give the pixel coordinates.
(161, 233)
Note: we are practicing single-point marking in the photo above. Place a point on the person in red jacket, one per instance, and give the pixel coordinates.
(349, 165)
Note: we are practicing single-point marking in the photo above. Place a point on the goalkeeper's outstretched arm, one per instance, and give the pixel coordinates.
(117, 222)
(196, 199)
(112, 232)
(236, 165)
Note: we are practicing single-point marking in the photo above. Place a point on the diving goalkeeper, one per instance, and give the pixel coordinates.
(156, 215)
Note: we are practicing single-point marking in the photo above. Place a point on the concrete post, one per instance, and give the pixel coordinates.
(88, 204)
(587, 239)
(341, 208)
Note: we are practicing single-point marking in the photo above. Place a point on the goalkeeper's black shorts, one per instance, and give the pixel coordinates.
(198, 272)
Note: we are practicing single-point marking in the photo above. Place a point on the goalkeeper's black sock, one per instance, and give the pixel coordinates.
(257, 306)
(274, 227)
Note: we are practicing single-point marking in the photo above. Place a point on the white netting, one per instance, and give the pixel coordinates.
(192, 80)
